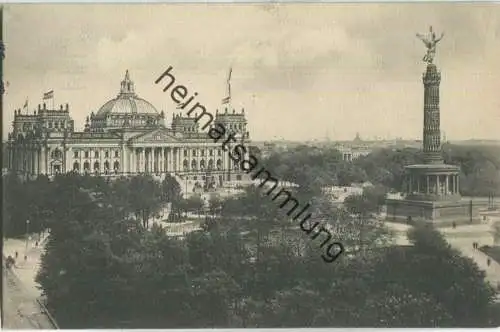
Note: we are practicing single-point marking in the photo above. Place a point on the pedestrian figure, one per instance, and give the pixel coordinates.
(474, 245)
(9, 262)
(488, 261)
(17, 254)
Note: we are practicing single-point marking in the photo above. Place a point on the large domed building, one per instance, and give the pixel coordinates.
(127, 135)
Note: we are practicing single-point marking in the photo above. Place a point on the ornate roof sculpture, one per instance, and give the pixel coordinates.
(125, 111)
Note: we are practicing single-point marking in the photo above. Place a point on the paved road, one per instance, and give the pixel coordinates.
(461, 238)
(20, 311)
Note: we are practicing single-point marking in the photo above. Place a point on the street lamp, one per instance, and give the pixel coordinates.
(27, 238)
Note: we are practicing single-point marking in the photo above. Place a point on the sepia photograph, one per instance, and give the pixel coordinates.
(250, 165)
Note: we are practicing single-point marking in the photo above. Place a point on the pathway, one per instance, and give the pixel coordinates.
(20, 311)
(461, 238)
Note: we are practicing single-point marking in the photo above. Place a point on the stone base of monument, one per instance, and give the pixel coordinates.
(442, 213)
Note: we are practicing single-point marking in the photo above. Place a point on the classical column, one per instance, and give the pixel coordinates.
(438, 184)
(151, 159)
(162, 160)
(35, 161)
(137, 158)
(101, 160)
(457, 180)
(124, 161)
(43, 156)
(447, 185)
(67, 158)
(143, 160)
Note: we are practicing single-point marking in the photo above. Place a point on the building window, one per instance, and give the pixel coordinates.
(211, 152)
(116, 166)
(86, 154)
(117, 154)
(56, 154)
(96, 154)
(106, 154)
(219, 153)
(194, 153)
(50, 125)
(75, 154)
(202, 153)
(185, 153)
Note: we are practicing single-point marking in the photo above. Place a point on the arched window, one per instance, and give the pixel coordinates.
(211, 164)
(194, 153)
(96, 166)
(76, 166)
(194, 165)
(185, 165)
(202, 164)
(185, 153)
(86, 166)
(56, 154)
(219, 164)
(106, 165)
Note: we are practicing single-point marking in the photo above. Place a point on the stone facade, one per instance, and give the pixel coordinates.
(126, 136)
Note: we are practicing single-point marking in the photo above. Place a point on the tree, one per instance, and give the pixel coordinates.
(144, 197)
(496, 231)
(194, 204)
(433, 257)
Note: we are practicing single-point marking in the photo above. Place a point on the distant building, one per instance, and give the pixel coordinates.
(126, 136)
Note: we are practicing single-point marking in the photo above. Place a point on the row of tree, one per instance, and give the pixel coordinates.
(29, 206)
(250, 266)
(313, 167)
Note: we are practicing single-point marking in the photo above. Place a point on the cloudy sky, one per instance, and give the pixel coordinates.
(301, 71)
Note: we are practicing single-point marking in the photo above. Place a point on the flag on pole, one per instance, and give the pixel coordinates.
(25, 104)
(227, 100)
(48, 95)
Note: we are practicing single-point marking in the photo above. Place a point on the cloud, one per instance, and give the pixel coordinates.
(315, 67)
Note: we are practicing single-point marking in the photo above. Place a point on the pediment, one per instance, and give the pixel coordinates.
(155, 136)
